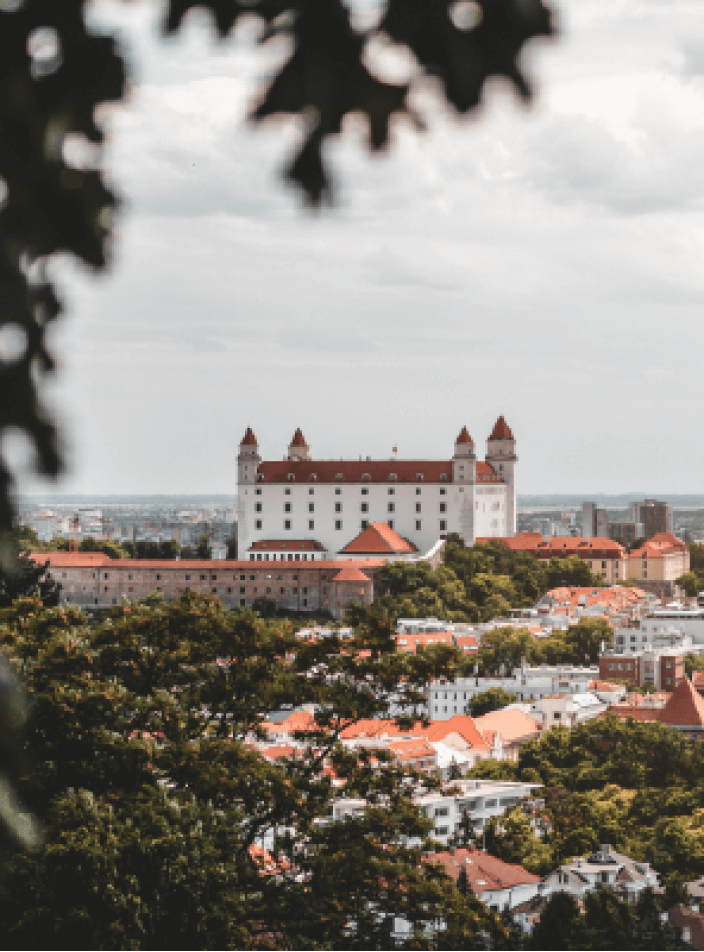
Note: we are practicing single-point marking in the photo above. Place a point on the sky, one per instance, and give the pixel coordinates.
(543, 263)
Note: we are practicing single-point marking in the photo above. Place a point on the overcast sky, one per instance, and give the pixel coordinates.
(544, 264)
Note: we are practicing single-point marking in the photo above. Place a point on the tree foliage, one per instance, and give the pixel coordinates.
(153, 797)
(492, 700)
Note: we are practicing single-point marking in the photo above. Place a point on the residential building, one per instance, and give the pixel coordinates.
(683, 711)
(595, 521)
(501, 886)
(605, 869)
(654, 515)
(332, 502)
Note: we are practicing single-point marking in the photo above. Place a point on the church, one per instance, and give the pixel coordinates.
(310, 510)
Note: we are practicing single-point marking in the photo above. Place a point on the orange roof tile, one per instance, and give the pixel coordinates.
(249, 439)
(484, 872)
(379, 538)
(461, 724)
(685, 707)
(411, 749)
(298, 439)
(351, 574)
(377, 471)
(501, 431)
(512, 723)
(464, 436)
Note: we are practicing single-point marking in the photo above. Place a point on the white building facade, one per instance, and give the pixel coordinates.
(330, 501)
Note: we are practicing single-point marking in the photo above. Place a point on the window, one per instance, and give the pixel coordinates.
(417, 507)
(443, 478)
(229, 590)
(338, 523)
(106, 575)
(188, 578)
(443, 507)
(418, 492)
(214, 590)
(311, 524)
(365, 507)
(365, 492)
(311, 507)
(364, 523)
(287, 507)
(287, 492)
(258, 524)
(443, 492)
(391, 490)
(391, 507)
(390, 523)
(442, 811)
(241, 589)
(442, 830)
(258, 507)
(443, 525)
(203, 578)
(158, 577)
(338, 507)
(287, 523)
(290, 477)
(417, 525)
(419, 477)
(338, 477)
(392, 477)
(282, 590)
(338, 492)
(313, 478)
(365, 477)
(258, 492)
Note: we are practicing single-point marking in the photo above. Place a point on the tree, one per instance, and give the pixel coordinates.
(154, 801)
(203, 548)
(20, 575)
(232, 547)
(53, 89)
(491, 700)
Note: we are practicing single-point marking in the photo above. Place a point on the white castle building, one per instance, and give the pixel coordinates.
(311, 509)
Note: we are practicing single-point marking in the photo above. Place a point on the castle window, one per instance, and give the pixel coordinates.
(443, 525)
(313, 477)
(390, 523)
(338, 492)
(188, 578)
(287, 507)
(391, 507)
(365, 524)
(290, 477)
(338, 507)
(258, 507)
(365, 492)
(258, 492)
(338, 523)
(443, 492)
(311, 492)
(366, 477)
(418, 525)
(419, 477)
(443, 478)
(338, 477)
(443, 507)
(417, 507)
(392, 477)
(417, 492)
(311, 525)
(258, 524)
(365, 507)
(311, 507)
(260, 477)
(287, 523)
(287, 492)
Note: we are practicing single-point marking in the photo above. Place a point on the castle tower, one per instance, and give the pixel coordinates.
(298, 448)
(501, 456)
(464, 473)
(248, 462)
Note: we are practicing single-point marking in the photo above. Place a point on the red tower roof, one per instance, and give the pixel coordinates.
(249, 439)
(464, 436)
(298, 439)
(501, 431)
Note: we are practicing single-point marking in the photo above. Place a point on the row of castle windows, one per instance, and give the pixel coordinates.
(365, 492)
(366, 477)
(338, 525)
(364, 507)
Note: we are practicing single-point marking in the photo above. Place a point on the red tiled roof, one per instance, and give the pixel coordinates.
(461, 724)
(351, 574)
(423, 640)
(532, 542)
(298, 439)
(501, 431)
(685, 707)
(291, 545)
(486, 474)
(485, 873)
(381, 538)
(87, 559)
(411, 749)
(249, 439)
(698, 679)
(464, 436)
(512, 723)
(352, 471)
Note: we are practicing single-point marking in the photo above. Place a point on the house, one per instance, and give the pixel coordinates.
(501, 886)
(604, 868)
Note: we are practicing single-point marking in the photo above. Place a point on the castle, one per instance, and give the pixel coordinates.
(311, 509)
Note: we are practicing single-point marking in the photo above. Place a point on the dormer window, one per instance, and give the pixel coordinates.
(419, 477)
(339, 477)
(260, 478)
(313, 477)
(290, 477)
(443, 477)
(366, 477)
(392, 477)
